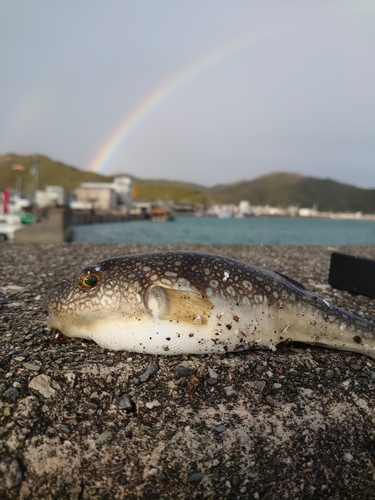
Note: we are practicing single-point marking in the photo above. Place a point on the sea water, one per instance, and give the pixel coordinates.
(210, 230)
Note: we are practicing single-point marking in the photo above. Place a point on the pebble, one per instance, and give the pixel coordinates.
(152, 404)
(348, 457)
(125, 403)
(70, 378)
(212, 381)
(220, 428)
(213, 376)
(183, 371)
(321, 286)
(15, 304)
(11, 393)
(192, 384)
(277, 385)
(7, 411)
(329, 374)
(198, 476)
(212, 373)
(104, 438)
(32, 366)
(150, 370)
(42, 384)
(230, 391)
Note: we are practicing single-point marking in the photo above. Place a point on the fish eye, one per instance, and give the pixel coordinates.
(89, 280)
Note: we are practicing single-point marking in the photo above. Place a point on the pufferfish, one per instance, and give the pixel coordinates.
(179, 302)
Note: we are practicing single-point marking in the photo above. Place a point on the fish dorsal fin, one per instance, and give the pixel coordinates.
(178, 305)
(291, 280)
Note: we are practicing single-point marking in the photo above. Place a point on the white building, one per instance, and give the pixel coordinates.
(51, 196)
(244, 208)
(116, 195)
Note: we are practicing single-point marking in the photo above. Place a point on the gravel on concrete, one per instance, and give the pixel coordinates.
(81, 422)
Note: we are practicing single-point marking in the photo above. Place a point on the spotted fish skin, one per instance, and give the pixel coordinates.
(190, 302)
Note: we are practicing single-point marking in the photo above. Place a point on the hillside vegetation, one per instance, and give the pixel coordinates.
(50, 172)
(285, 189)
(167, 192)
(277, 189)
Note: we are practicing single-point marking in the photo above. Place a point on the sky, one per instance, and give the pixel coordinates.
(204, 91)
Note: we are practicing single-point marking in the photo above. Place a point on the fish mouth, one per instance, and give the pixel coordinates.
(51, 324)
(51, 321)
(64, 327)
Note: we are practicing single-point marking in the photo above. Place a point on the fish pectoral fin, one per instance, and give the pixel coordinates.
(178, 305)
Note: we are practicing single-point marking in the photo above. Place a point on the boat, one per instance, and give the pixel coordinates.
(27, 217)
(160, 214)
(224, 212)
(9, 224)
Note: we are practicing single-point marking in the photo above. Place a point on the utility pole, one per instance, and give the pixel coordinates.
(35, 172)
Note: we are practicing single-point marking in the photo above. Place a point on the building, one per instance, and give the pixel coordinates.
(106, 196)
(51, 196)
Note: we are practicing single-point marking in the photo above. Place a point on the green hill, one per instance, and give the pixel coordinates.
(178, 193)
(285, 189)
(16, 172)
(277, 189)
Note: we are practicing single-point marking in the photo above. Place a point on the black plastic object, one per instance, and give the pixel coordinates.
(355, 274)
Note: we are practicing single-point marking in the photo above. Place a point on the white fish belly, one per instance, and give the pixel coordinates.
(232, 330)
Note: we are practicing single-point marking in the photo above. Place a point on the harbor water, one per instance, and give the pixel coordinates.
(211, 230)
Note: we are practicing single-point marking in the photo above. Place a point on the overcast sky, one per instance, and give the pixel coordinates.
(208, 91)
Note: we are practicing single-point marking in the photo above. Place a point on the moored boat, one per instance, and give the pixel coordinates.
(9, 223)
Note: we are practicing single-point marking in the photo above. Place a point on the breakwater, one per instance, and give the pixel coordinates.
(55, 225)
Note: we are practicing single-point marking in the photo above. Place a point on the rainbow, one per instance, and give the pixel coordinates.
(155, 98)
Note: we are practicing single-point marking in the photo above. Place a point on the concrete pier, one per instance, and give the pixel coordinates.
(55, 226)
(78, 421)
